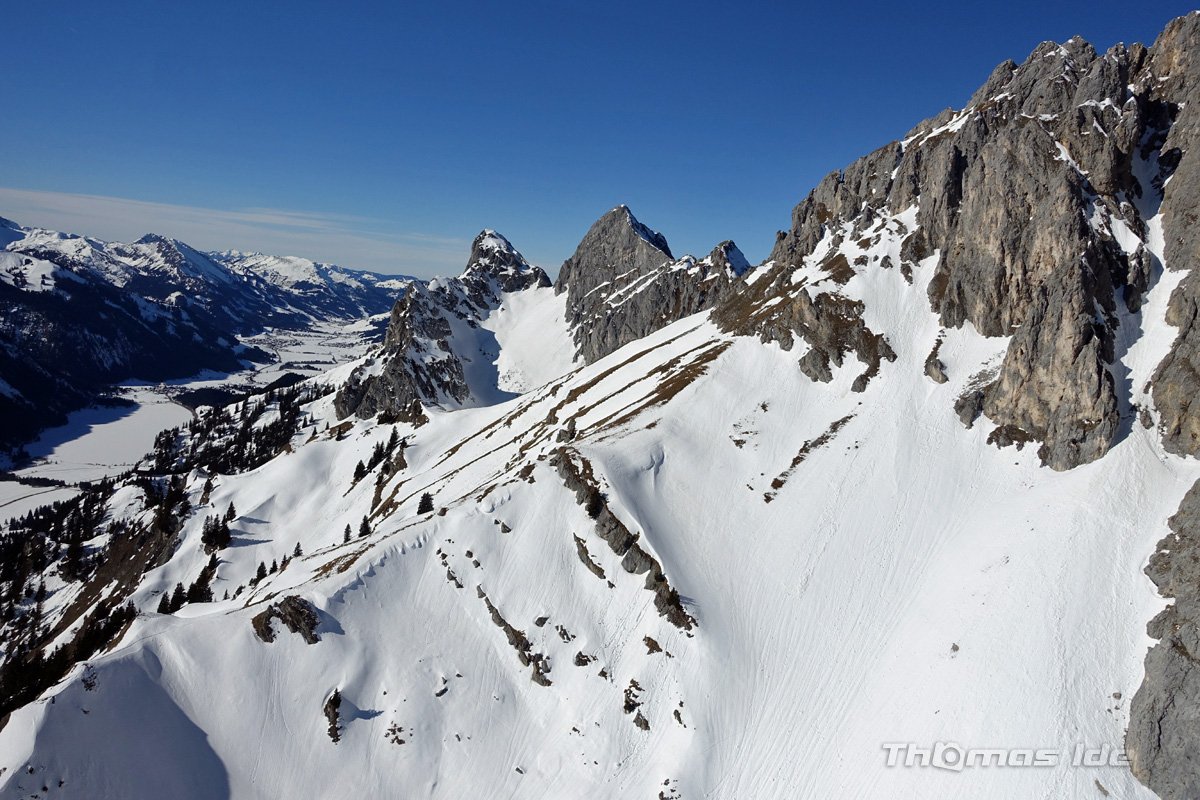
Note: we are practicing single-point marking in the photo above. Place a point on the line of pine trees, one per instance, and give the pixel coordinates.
(381, 453)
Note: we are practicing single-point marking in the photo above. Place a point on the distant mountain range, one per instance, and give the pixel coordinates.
(78, 314)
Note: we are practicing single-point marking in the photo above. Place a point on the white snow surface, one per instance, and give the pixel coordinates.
(531, 333)
(896, 580)
(102, 441)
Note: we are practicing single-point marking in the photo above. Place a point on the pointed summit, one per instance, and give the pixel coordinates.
(727, 256)
(622, 283)
(494, 258)
(653, 238)
(616, 244)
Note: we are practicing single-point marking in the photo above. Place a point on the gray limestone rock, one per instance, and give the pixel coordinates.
(935, 370)
(622, 283)
(1177, 379)
(830, 323)
(1162, 741)
(421, 364)
(297, 614)
(1020, 197)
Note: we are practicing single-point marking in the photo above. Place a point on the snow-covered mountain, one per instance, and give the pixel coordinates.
(237, 289)
(78, 313)
(684, 527)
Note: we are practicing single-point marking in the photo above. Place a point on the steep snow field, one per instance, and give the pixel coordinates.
(862, 569)
(535, 346)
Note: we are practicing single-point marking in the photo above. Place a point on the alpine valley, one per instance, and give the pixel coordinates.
(901, 512)
(78, 315)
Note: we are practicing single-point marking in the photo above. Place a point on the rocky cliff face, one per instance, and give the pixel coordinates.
(1037, 207)
(622, 283)
(423, 353)
(1175, 62)
(1165, 713)
(1033, 201)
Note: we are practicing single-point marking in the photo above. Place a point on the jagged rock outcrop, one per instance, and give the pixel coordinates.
(622, 283)
(418, 361)
(1031, 200)
(576, 474)
(519, 642)
(333, 714)
(1163, 749)
(832, 324)
(1175, 63)
(296, 613)
(1176, 384)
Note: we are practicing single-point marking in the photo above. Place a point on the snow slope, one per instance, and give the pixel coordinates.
(861, 568)
(534, 343)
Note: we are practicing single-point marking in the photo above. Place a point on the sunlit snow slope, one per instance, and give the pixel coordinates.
(861, 569)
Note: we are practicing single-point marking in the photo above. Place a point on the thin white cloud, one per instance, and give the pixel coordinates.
(340, 239)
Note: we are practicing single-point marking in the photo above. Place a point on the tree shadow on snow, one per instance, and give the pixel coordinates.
(246, 541)
(349, 711)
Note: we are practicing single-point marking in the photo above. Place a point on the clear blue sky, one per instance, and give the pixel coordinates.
(387, 135)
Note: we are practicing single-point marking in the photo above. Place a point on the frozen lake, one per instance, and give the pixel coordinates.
(101, 441)
(97, 442)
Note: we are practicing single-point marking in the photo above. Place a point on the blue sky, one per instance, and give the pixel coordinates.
(385, 136)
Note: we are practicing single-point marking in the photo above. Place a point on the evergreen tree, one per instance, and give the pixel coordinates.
(178, 598)
(365, 528)
(425, 506)
(262, 572)
(231, 514)
(297, 552)
(72, 568)
(199, 591)
(274, 566)
(164, 605)
(207, 534)
(346, 536)
(360, 472)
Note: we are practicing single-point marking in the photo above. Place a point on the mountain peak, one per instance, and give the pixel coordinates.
(489, 243)
(153, 238)
(494, 257)
(727, 255)
(623, 214)
(617, 243)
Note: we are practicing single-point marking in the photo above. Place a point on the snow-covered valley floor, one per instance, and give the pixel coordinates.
(107, 440)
